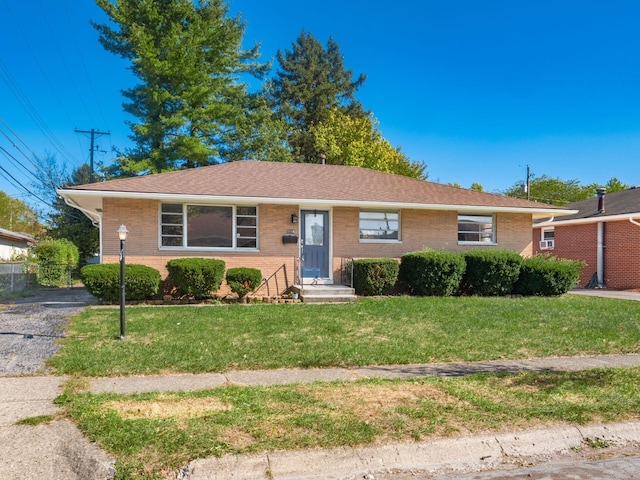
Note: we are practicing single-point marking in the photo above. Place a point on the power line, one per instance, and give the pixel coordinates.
(93, 135)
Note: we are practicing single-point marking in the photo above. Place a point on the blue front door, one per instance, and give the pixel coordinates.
(315, 244)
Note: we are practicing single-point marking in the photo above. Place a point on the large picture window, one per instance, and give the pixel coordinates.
(476, 229)
(381, 226)
(208, 226)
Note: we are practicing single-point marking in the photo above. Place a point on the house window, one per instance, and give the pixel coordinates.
(208, 226)
(547, 241)
(476, 229)
(380, 226)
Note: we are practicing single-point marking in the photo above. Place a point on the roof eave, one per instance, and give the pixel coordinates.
(597, 219)
(240, 200)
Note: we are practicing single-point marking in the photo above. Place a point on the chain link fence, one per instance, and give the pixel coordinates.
(18, 276)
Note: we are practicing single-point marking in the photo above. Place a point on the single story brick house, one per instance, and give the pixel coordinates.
(604, 233)
(304, 219)
(13, 244)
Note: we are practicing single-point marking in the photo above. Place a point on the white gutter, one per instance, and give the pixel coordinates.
(238, 200)
(91, 215)
(578, 221)
(634, 221)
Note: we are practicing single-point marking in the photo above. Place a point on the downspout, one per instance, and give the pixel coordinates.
(600, 192)
(600, 255)
(91, 217)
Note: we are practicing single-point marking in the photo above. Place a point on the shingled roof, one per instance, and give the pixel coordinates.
(624, 203)
(302, 183)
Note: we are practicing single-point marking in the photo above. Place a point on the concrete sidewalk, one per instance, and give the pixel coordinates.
(190, 382)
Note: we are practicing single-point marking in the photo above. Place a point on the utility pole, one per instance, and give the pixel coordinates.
(94, 134)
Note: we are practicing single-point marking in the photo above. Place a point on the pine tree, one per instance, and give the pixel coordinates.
(190, 62)
(312, 81)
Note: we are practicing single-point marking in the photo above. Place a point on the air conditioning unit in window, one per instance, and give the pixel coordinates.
(546, 244)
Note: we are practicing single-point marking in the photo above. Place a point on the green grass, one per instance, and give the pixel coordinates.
(152, 434)
(396, 330)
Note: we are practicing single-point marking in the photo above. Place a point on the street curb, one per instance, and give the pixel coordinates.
(457, 455)
(85, 458)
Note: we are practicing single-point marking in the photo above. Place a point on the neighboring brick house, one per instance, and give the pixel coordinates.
(604, 233)
(305, 217)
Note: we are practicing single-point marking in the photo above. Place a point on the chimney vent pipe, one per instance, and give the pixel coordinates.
(600, 193)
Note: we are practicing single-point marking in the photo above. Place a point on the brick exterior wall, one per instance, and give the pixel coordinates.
(621, 251)
(419, 229)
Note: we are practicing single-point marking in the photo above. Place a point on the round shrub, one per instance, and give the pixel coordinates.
(372, 276)
(433, 273)
(103, 281)
(547, 276)
(196, 277)
(490, 272)
(56, 260)
(243, 280)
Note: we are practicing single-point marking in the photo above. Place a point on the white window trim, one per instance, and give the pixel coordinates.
(494, 241)
(376, 240)
(233, 248)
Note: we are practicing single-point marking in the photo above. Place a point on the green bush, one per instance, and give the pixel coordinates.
(430, 272)
(243, 280)
(196, 277)
(56, 260)
(372, 276)
(103, 281)
(490, 272)
(547, 276)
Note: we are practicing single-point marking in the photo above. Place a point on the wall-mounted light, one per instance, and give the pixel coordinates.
(294, 218)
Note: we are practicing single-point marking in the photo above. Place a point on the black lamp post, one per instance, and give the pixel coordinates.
(122, 235)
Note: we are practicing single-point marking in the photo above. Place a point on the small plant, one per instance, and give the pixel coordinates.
(37, 420)
(243, 281)
(596, 442)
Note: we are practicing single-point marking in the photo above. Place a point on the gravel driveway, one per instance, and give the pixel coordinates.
(29, 327)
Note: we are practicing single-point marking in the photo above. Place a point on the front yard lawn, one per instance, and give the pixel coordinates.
(398, 330)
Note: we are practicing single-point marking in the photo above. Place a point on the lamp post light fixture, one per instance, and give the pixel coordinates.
(122, 235)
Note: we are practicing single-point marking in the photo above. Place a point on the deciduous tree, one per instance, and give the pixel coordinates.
(347, 140)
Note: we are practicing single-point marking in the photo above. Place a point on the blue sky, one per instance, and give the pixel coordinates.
(477, 90)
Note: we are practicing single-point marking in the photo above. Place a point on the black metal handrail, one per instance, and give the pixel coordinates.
(266, 282)
(346, 271)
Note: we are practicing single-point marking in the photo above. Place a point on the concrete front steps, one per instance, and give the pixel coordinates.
(326, 293)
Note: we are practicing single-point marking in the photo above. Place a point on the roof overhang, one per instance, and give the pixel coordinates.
(581, 221)
(90, 203)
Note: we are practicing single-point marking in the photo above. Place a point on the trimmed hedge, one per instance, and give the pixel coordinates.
(432, 273)
(547, 276)
(56, 259)
(372, 276)
(103, 281)
(490, 272)
(243, 280)
(196, 277)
